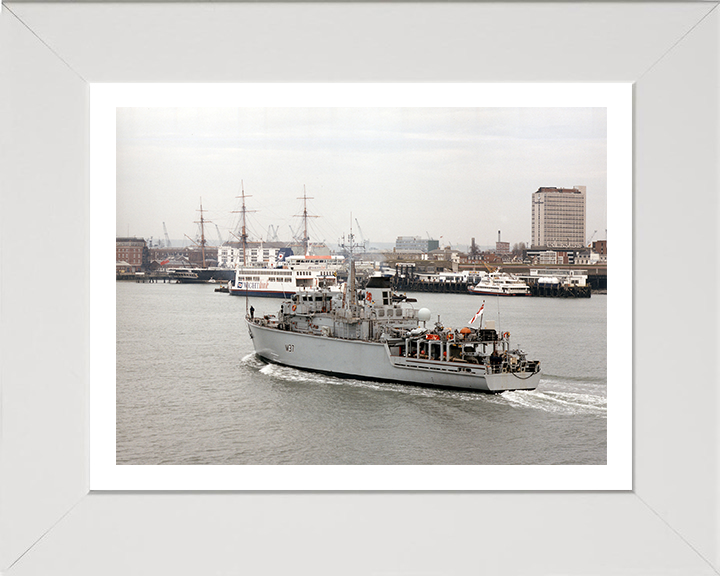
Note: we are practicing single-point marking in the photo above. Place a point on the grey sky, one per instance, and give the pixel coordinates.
(454, 173)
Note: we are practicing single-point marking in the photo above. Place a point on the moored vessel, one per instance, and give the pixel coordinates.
(500, 284)
(185, 276)
(200, 275)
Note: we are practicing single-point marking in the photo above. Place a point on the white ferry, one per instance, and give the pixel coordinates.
(500, 284)
(296, 273)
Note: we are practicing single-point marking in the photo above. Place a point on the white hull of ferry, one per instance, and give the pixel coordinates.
(498, 291)
(261, 289)
(500, 284)
(300, 274)
(373, 361)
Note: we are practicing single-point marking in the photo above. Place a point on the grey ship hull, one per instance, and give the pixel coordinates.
(373, 361)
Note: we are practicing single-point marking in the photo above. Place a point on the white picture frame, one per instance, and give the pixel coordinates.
(667, 524)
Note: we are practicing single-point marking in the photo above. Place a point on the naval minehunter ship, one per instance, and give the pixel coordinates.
(367, 335)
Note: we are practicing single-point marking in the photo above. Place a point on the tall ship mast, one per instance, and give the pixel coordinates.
(202, 273)
(305, 216)
(243, 211)
(289, 273)
(202, 222)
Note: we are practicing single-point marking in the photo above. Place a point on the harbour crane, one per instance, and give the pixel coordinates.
(591, 238)
(272, 233)
(295, 235)
(362, 238)
(167, 238)
(220, 240)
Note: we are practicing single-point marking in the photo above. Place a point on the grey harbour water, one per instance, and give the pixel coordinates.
(189, 390)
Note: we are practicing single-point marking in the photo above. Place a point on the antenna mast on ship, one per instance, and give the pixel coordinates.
(351, 263)
(305, 216)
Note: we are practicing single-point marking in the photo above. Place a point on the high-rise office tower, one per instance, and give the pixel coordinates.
(558, 217)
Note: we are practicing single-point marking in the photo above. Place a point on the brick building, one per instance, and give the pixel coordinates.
(600, 247)
(134, 252)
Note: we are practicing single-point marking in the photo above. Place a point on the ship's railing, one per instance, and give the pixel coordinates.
(504, 367)
(495, 368)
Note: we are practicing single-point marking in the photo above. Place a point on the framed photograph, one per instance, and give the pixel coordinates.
(390, 134)
(70, 505)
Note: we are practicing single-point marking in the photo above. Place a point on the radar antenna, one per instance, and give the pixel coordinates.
(349, 245)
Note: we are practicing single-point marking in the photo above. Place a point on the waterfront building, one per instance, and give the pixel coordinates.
(558, 217)
(263, 254)
(202, 256)
(502, 247)
(170, 253)
(415, 244)
(449, 256)
(550, 256)
(590, 257)
(132, 253)
(600, 246)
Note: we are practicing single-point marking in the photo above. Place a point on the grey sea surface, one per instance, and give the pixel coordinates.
(190, 390)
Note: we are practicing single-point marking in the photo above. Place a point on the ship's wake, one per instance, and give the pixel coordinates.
(553, 395)
(558, 402)
(288, 374)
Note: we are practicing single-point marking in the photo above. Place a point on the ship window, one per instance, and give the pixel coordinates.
(381, 313)
(398, 312)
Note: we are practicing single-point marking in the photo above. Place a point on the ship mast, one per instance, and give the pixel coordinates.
(305, 216)
(349, 246)
(243, 211)
(243, 236)
(202, 222)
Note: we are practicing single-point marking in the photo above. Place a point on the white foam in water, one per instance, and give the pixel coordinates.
(558, 402)
(284, 373)
(252, 361)
(293, 375)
